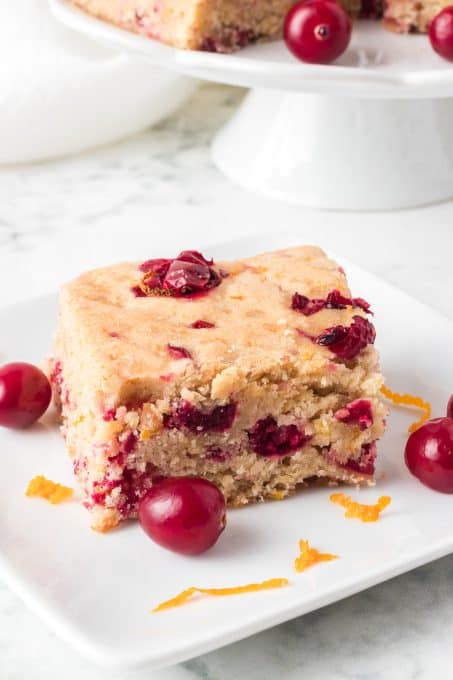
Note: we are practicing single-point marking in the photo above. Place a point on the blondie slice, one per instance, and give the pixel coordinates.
(259, 374)
(411, 16)
(210, 25)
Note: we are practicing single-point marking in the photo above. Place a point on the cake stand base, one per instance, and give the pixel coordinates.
(340, 152)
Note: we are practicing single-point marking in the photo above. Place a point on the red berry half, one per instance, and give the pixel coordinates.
(429, 454)
(450, 407)
(183, 514)
(441, 33)
(317, 31)
(25, 394)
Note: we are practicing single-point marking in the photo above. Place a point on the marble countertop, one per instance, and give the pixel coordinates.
(60, 217)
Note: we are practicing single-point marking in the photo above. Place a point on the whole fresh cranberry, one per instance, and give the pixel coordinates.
(25, 394)
(429, 454)
(441, 33)
(317, 31)
(183, 514)
(450, 407)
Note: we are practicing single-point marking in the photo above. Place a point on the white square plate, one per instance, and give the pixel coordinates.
(96, 591)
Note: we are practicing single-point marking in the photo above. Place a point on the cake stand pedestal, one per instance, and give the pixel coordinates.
(372, 132)
(340, 152)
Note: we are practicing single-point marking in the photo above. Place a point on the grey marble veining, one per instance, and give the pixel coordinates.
(57, 218)
(156, 167)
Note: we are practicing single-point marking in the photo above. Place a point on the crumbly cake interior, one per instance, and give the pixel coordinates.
(230, 385)
(211, 25)
(411, 16)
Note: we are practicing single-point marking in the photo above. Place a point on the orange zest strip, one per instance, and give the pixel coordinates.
(354, 510)
(409, 400)
(51, 491)
(309, 556)
(237, 590)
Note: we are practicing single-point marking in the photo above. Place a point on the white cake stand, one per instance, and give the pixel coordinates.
(372, 132)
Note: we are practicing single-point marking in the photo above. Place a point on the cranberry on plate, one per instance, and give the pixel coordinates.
(317, 31)
(429, 454)
(25, 394)
(183, 514)
(441, 33)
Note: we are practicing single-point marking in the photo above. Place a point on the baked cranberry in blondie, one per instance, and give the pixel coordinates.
(185, 366)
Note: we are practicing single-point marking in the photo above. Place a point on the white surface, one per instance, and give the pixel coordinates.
(340, 152)
(377, 63)
(61, 93)
(346, 136)
(59, 218)
(96, 591)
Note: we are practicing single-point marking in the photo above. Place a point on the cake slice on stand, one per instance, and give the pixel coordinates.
(210, 25)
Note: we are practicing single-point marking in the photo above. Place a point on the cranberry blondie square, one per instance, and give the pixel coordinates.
(259, 374)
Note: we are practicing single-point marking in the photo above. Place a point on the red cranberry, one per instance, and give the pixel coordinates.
(348, 342)
(138, 292)
(159, 266)
(301, 303)
(317, 31)
(429, 454)
(441, 33)
(371, 9)
(25, 394)
(129, 443)
(450, 407)
(220, 418)
(334, 300)
(365, 464)
(195, 257)
(267, 438)
(178, 352)
(202, 324)
(183, 514)
(358, 412)
(187, 274)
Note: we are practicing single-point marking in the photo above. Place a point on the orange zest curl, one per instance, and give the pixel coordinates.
(354, 510)
(310, 556)
(183, 597)
(409, 400)
(51, 491)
